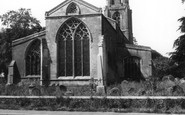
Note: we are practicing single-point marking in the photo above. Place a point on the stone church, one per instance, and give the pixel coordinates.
(81, 43)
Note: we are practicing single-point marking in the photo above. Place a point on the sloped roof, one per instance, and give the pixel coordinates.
(28, 38)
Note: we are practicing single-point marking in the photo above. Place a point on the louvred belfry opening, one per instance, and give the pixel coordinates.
(73, 45)
(116, 16)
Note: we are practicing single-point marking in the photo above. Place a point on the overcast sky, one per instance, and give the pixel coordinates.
(154, 21)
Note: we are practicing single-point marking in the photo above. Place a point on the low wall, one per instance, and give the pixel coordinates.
(97, 97)
(95, 103)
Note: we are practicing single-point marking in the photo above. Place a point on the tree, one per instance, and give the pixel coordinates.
(20, 23)
(5, 47)
(179, 44)
(179, 54)
(17, 24)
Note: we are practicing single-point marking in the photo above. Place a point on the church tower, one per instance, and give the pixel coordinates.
(120, 11)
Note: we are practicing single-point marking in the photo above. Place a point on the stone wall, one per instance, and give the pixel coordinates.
(93, 23)
(144, 53)
(19, 48)
(113, 38)
(117, 49)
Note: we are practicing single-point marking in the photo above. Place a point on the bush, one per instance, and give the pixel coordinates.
(139, 103)
(178, 70)
(126, 103)
(161, 67)
(160, 106)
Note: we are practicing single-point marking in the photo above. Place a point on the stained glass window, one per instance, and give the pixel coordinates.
(33, 59)
(73, 49)
(116, 16)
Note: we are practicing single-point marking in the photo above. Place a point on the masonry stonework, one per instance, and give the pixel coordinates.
(112, 54)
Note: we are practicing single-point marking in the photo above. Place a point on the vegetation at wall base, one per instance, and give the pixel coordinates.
(97, 105)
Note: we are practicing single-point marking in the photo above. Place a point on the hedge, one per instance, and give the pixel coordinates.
(147, 105)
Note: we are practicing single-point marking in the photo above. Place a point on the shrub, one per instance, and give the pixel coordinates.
(139, 103)
(161, 66)
(183, 104)
(178, 70)
(170, 103)
(150, 103)
(160, 106)
(126, 103)
(77, 103)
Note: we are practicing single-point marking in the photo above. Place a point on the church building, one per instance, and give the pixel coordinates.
(81, 43)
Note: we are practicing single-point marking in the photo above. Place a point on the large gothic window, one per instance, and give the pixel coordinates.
(116, 16)
(33, 59)
(132, 67)
(72, 9)
(73, 49)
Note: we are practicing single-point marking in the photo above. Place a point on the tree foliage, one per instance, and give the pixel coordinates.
(179, 44)
(5, 49)
(20, 23)
(16, 24)
(178, 56)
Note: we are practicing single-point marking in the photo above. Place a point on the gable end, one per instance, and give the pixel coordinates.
(88, 5)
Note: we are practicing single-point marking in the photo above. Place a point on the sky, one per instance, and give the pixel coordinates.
(154, 21)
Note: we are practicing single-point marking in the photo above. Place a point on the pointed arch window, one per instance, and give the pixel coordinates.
(73, 49)
(116, 16)
(33, 64)
(73, 9)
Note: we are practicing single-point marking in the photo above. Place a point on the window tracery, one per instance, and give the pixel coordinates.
(33, 59)
(73, 49)
(72, 8)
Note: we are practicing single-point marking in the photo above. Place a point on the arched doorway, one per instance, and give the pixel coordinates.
(132, 68)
